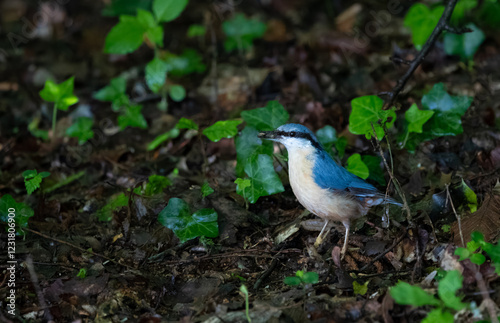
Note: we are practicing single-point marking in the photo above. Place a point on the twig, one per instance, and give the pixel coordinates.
(442, 25)
(36, 285)
(488, 302)
(266, 273)
(256, 253)
(77, 247)
(448, 197)
(395, 243)
(396, 183)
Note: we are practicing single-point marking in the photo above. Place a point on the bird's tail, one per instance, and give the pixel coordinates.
(390, 200)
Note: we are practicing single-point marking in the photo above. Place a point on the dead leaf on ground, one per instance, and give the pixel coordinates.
(485, 220)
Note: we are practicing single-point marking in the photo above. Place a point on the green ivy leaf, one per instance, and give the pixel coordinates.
(356, 166)
(327, 136)
(196, 30)
(156, 74)
(374, 168)
(406, 294)
(177, 92)
(125, 37)
(292, 281)
(421, 20)
(241, 185)
(22, 213)
(186, 124)
(367, 110)
(463, 253)
(61, 94)
(81, 129)
(472, 246)
(249, 144)
(461, 8)
(493, 251)
(241, 32)
(173, 133)
(190, 61)
(310, 277)
(167, 10)
(489, 13)
(464, 45)
(448, 109)
(477, 259)
(448, 287)
(340, 146)
(438, 315)
(115, 93)
(222, 129)
(206, 190)
(477, 237)
(416, 118)
(263, 178)
(132, 118)
(105, 214)
(156, 184)
(267, 118)
(146, 19)
(360, 289)
(177, 217)
(155, 35)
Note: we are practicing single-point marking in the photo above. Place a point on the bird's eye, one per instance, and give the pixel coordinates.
(293, 134)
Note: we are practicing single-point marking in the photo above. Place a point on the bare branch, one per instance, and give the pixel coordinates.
(442, 25)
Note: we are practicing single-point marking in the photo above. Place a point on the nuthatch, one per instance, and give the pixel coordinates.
(321, 186)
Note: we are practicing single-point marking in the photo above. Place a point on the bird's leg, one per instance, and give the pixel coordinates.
(344, 248)
(319, 239)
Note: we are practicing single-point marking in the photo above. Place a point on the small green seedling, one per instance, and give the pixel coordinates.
(406, 294)
(81, 129)
(62, 96)
(360, 289)
(244, 291)
(14, 215)
(82, 273)
(302, 278)
(33, 179)
(241, 185)
(241, 32)
(206, 190)
(474, 250)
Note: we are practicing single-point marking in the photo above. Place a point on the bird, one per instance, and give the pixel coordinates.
(322, 186)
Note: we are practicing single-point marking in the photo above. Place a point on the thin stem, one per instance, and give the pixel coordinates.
(54, 121)
(459, 222)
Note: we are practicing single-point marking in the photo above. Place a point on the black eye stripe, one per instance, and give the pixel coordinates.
(294, 134)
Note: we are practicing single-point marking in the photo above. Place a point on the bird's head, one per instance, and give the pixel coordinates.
(292, 135)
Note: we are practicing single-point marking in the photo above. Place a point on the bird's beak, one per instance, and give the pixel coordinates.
(270, 135)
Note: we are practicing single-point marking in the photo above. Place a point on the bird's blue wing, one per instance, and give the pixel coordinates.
(329, 175)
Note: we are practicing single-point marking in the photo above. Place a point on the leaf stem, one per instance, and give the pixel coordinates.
(54, 121)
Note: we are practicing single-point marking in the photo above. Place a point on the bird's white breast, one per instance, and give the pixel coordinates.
(322, 202)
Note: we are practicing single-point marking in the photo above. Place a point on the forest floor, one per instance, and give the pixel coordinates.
(314, 62)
